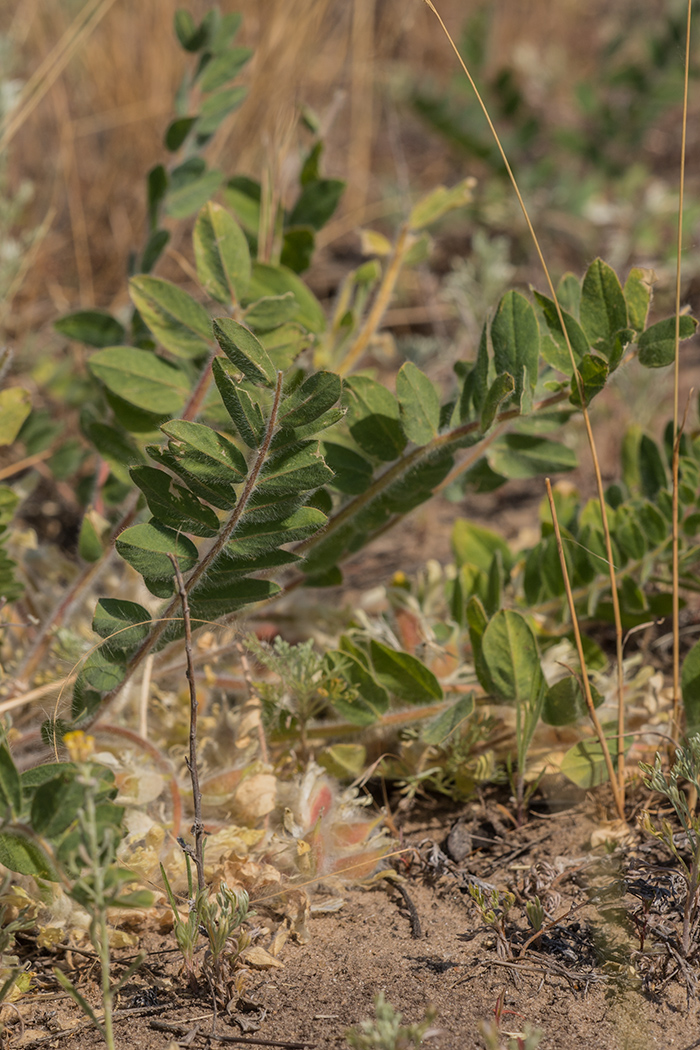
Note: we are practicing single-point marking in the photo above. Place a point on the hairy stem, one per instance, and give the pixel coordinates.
(585, 684)
(198, 826)
(218, 545)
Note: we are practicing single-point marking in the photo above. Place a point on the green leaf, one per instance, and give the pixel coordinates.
(344, 761)
(477, 622)
(439, 202)
(154, 249)
(441, 728)
(657, 345)
(89, 543)
(295, 469)
(352, 473)
(141, 378)
(245, 413)
(146, 547)
(20, 852)
(255, 537)
(92, 327)
(55, 805)
(192, 194)
(224, 67)
(515, 336)
(177, 131)
(217, 107)
(202, 477)
(501, 389)
(577, 337)
(476, 382)
(510, 654)
(205, 453)
(177, 321)
(651, 468)
(103, 670)
(510, 651)
(297, 249)
(191, 38)
(690, 689)
(284, 344)
(270, 312)
(123, 624)
(638, 297)
(593, 374)
(528, 456)
(318, 393)
(212, 598)
(115, 447)
(373, 418)
(15, 406)
(243, 197)
(569, 294)
(277, 280)
(221, 254)
(316, 203)
(245, 352)
(10, 782)
(419, 404)
(565, 703)
(404, 675)
(584, 763)
(476, 545)
(173, 505)
(372, 700)
(603, 307)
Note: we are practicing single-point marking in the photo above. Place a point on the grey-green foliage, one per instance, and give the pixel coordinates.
(386, 1032)
(230, 499)
(280, 466)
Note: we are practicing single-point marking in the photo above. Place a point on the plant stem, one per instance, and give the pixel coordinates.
(203, 566)
(198, 826)
(381, 302)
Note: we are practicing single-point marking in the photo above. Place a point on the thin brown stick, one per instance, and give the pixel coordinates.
(198, 826)
(619, 797)
(675, 726)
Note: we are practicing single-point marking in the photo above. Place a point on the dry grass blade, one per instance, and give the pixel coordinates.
(585, 684)
(678, 430)
(584, 411)
(49, 71)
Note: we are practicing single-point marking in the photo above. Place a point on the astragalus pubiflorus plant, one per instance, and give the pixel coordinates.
(240, 439)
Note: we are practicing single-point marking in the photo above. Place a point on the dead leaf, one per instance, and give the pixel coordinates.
(260, 959)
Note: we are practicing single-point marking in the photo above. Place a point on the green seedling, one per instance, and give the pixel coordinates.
(494, 907)
(386, 1032)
